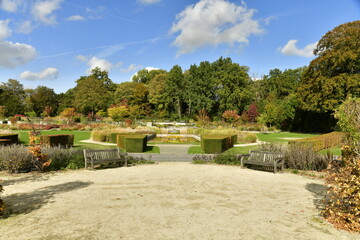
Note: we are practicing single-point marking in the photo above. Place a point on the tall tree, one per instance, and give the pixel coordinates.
(93, 93)
(43, 97)
(174, 89)
(230, 81)
(335, 72)
(145, 76)
(12, 96)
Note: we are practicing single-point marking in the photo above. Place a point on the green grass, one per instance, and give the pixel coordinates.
(231, 151)
(152, 149)
(334, 151)
(279, 137)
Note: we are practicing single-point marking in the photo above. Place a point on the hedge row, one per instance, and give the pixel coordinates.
(64, 140)
(132, 143)
(321, 142)
(6, 139)
(217, 144)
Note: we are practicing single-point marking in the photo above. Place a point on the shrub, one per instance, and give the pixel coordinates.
(64, 158)
(64, 140)
(298, 156)
(203, 159)
(13, 137)
(217, 144)
(343, 196)
(303, 157)
(322, 141)
(15, 158)
(100, 136)
(226, 160)
(135, 143)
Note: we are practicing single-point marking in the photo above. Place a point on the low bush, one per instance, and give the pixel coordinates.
(299, 156)
(242, 137)
(100, 136)
(322, 141)
(63, 140)
(343, 196)
(203, 159)
(217, 144)
(15, 158)
(135, 143)
(226, 160)
(64, 158)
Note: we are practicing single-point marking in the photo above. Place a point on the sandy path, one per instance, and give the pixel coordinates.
(165, 201)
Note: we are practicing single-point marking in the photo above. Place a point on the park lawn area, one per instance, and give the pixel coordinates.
(231, 151)
(282, 136)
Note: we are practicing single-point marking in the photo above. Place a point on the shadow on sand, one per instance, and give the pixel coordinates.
(319, 193)
(23, 203)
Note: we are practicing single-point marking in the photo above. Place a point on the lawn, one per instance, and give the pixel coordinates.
(281, 136)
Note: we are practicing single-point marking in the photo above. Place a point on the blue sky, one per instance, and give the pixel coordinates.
(54, 42)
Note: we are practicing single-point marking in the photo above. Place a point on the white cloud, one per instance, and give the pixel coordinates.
(5, 31)
(100, 63)
(147, 2)
(43, 11)
(147, 68)
(213, 22)
(82, 58)
(291, 49)
(15, 54)
(25, 27)
(75, 18)
(131, 68)
(10, 5)
(47, 74)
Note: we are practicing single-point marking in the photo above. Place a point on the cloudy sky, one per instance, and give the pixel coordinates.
(54, 42)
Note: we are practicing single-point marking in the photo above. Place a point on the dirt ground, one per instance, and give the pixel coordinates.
(165, 201)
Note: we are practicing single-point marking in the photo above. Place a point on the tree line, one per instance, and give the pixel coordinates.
(302, 99)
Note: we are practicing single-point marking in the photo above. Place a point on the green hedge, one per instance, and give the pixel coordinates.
(135, 143)
(217, 144)
(64, 140)
(323, 141)
(14, 138)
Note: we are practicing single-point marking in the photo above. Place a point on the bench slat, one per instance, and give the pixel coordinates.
(265, 158)
(103, 156)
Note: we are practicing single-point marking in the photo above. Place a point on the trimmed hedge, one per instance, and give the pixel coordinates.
(134, 143)
(217, 144)
(64, 140)
(321, 142)
(5, 142)
(14, 138)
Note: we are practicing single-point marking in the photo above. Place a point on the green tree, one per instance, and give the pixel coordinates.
(335, 72)
(43, 97)
(12, 96)
(145, 76)
(230, 81)
(3, 112)
(118, 113)
(93, 93)
(174, 90)
(156, 88)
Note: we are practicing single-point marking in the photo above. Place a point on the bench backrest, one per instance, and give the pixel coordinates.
(265, 156)
(102, 154)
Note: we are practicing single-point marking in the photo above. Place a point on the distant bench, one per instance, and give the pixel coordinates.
(265, 159)
(93, 157)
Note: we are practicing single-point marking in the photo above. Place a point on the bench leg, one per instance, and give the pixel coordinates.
(275, 167)
(92, 163)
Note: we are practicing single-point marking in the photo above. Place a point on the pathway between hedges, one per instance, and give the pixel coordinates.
(168, 152)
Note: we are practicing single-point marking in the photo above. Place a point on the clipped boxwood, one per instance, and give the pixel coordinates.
(14, 138)
(135, 143)
(63, 140)
(217, 144)
(5, 142)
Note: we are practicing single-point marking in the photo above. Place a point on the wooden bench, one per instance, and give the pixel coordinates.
(265, 159)
(93, 157)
